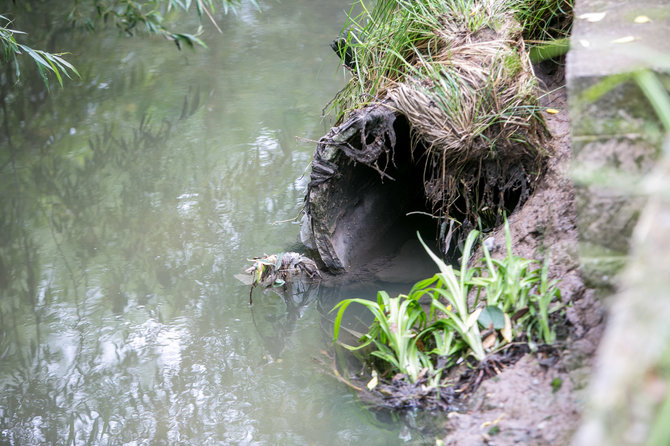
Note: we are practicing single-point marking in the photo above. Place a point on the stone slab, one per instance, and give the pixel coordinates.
(632, 375)
(604, 47)
(615, 130)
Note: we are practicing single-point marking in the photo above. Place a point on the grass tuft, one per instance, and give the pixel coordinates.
(544, 20)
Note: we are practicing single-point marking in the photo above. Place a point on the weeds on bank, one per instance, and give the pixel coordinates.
(471, 313)
(387, 43)
(544, 20)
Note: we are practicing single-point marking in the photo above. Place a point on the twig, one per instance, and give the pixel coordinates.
(210, 16)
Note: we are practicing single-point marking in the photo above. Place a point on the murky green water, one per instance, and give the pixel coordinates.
(129, 199)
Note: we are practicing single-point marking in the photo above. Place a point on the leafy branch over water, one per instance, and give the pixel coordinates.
(46, 62)
(131, 15)
(127, 15)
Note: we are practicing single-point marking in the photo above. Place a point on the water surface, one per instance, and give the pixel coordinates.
(128, 200)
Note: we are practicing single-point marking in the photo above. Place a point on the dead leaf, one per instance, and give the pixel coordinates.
(374, 381)
(627, 39)
(552, 111)
(642, 19)
(592, 16)
(506, 332)
(490, 341)
(494, 422)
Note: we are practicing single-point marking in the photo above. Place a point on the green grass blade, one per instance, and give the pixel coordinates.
(656, 94)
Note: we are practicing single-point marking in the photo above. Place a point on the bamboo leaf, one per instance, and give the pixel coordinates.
(65, 63)
(36, 57)
(55, 70)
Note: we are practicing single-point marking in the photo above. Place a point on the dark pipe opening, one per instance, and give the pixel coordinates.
(365, 214)
(401, 210)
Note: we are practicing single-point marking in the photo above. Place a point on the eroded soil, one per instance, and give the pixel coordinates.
(535, 402)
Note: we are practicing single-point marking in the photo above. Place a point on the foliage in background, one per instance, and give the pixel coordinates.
(659, 432)
(658, 94)
(130, 15)
(651, 83)
(127, 15)
(509, 299)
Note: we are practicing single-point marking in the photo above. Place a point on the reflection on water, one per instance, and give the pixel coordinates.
(129, 199)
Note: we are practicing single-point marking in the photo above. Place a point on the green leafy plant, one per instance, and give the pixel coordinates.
(46, 62)
(510, 280)
(394, 331)
(519, 289)
(412, 338)
(540, 305)
(402, 331)
(454, 288)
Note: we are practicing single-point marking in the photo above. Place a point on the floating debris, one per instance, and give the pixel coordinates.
(276, 269)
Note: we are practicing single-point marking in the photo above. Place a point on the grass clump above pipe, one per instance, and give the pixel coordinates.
(459, 71)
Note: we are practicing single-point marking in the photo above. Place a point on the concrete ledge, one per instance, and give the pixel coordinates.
(618, 130)
(632, 375)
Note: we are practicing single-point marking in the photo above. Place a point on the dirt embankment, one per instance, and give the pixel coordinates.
(538, 400)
